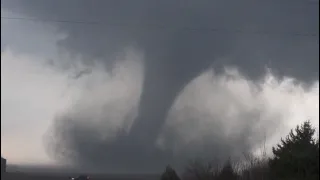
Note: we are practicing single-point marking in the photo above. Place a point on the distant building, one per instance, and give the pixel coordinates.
(3, 165)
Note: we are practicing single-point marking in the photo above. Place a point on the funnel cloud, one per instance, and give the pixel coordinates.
(182, 44)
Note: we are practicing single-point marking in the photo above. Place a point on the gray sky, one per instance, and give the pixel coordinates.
(95, 80)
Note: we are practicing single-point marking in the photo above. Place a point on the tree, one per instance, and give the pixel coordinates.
(297, 156)
(227, 172)
(169, 174)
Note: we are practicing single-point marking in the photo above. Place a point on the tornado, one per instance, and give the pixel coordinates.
(180, 40)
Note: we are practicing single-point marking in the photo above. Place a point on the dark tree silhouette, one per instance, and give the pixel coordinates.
(169, 174)
(297, 156)
(227, 172)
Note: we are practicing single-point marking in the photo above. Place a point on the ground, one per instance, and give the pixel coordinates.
(34, 176)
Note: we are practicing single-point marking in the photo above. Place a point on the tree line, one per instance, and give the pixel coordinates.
(295, 157)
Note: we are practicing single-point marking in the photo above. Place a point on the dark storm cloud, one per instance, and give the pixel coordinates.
(180, 41)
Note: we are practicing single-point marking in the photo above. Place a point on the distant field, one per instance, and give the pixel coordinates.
(25, 172)
(33, 176)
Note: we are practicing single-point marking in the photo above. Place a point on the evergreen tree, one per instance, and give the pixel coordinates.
(297, 156)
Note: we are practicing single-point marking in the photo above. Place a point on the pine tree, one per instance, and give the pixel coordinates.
(297, 156)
